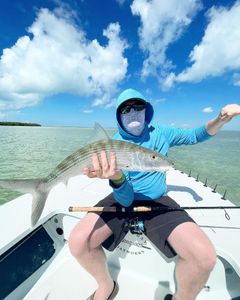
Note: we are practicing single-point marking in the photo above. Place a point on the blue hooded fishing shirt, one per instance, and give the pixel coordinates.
(150, 185)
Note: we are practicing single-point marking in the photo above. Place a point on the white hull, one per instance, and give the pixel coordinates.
(140, 269)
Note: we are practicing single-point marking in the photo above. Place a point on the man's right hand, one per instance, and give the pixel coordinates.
(102, 168)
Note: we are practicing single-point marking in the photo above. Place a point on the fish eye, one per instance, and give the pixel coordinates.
(153, 156)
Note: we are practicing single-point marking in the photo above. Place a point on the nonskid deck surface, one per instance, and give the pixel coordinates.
(71, 282)
(67, 280)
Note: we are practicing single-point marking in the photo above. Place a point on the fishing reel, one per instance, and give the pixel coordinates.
(135, 226)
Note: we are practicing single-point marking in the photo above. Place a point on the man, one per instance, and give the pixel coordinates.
(176, 232)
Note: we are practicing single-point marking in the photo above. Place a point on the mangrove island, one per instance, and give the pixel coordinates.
(18, 124)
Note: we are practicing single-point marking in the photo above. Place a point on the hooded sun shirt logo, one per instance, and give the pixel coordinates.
(133, 121)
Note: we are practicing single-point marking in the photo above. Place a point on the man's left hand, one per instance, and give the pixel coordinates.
(228, 112)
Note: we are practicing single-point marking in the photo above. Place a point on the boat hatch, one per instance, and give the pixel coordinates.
(22, 264)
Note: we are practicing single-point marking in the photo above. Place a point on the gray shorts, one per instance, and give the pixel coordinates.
(157, 224)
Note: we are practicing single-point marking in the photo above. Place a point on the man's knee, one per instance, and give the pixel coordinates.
(192, 245)
(203, 255)
(88, 235)
(207, 259)
(78, 243)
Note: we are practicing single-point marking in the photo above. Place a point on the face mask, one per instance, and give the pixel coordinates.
(134, 121)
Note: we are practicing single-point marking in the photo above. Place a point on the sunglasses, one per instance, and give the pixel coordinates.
(136, 106)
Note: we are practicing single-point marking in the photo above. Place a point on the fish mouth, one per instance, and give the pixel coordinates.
(165, 169)
(162, 169)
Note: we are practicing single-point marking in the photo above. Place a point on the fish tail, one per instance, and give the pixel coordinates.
(36, 187)
(20, 185)
(38, 202)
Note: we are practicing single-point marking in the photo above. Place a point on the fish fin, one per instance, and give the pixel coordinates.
(101, 130)
(99, 133)
(34, 186)
(20, 185)
(38, 204)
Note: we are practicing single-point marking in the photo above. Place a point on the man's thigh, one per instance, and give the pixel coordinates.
(93, 229)
(189, 241)
(160, 224)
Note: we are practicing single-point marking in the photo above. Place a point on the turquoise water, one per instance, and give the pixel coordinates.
(31, 152)
(218, 160)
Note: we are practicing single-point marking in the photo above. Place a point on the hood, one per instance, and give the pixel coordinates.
(127, 95)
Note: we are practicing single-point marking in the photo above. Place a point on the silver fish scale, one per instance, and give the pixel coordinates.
(126, 153)
(84, 155)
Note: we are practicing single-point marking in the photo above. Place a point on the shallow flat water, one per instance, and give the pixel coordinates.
(31, 152)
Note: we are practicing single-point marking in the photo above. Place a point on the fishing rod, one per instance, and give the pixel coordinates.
(135, 225)
(143, 208)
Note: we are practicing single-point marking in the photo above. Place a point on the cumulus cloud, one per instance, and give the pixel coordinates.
(207, 110)
(219, 49)
(162, 23)
(56, 57)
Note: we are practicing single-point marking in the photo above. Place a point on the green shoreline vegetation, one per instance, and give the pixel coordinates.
(18, 124)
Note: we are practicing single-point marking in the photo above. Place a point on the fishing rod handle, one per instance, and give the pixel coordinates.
(142, 208)
(109, 209)
(91, 209)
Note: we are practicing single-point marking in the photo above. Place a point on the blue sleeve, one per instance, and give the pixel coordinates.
(179, 136)
(123, 194)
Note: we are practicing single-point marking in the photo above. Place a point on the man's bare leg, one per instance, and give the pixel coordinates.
(197, 258)
(85, 245)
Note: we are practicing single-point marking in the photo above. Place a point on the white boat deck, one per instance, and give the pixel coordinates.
(141, 271)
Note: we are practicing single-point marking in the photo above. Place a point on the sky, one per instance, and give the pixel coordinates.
(64, 63)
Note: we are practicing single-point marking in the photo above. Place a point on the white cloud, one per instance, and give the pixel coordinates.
(87, 111)
(207, 110)
(236, 79)
(162, 23)
(219, 49)
(2, 115)
(121, 2)
(56, 57)
(161, 100)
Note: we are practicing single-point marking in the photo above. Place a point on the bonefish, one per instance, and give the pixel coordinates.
(129, 156)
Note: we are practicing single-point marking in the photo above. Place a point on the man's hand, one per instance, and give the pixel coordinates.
(102, 168)
(227, 113)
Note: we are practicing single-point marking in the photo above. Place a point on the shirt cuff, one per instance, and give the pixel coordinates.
(202, 134)
(123, 194)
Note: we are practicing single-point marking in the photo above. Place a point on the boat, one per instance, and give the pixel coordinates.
(36, 264)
